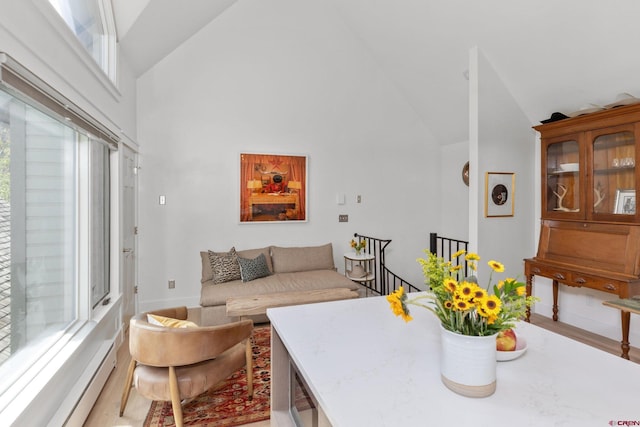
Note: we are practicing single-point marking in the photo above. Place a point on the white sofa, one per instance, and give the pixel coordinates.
(289, 269)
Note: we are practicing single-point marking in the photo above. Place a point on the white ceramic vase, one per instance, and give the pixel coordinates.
(468, 363)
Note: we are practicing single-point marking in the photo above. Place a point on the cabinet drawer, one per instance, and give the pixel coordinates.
(552, 273)
(598, 283)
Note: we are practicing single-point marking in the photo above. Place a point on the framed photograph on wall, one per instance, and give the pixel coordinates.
(499, 192)
(273, 188)
(625, 202)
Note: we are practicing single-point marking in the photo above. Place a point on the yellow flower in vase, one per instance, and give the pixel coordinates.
(358, 246)
(461, 305)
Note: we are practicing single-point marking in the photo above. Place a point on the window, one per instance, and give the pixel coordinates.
(54, 225)
(91, 21)
(99, 221)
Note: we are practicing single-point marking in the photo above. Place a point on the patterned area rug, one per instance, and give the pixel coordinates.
(228, 405)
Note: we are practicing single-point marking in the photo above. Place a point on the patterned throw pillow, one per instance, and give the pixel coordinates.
(251, 269)
(225, 266)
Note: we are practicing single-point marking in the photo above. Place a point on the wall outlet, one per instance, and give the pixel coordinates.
(343, 218)
(172, 284)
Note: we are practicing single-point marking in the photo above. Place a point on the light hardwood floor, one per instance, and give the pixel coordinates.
(105, 411)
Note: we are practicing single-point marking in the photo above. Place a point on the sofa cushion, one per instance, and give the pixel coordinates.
(212, 295)
(225, 267)
(287, 260)
(207, 272)
(251, 269)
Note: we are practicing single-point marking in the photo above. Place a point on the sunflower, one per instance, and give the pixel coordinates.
(465, 291)
(397, 302)
(479, 293)
(471, 256)
(461, 305)
(457, 254)
(450, 284)
(492, 305)
(496, 266)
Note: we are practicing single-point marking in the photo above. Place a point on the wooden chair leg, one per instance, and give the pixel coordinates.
(127, 386)
(249, 357)
(175, 397)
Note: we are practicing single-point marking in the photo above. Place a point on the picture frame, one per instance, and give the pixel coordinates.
(273, 188)
(499, 192)
(625, 202)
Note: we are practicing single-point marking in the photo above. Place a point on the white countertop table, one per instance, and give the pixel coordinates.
(368, 368)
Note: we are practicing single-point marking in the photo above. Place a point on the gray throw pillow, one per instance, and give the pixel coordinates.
(251, 269)
(225, 266)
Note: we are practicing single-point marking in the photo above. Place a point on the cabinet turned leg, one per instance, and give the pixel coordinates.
(555, 300)
(625, 316)
(529, 289)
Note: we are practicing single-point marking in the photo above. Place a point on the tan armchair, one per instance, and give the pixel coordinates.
(181, 363)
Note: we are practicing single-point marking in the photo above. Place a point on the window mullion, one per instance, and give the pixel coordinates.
(83, 228)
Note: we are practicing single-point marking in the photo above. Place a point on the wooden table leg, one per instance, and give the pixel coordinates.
(625, 316)
(529, 289)
(555, 300)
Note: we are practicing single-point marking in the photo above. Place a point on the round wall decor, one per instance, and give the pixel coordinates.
(465, 174)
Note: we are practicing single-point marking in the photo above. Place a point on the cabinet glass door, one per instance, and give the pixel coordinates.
(614, 183)
(562, 179)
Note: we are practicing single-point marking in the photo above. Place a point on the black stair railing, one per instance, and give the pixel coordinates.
(444, 247)
(385, 281)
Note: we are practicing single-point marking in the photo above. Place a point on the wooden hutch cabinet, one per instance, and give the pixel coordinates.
(590, 229)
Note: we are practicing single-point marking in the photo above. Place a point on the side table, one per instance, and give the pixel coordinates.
(360, 268)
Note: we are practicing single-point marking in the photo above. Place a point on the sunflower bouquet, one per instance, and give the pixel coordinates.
(358, 246)
(463, 306)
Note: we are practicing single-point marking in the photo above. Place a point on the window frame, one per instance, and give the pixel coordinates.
(60, 344)
(109, 78)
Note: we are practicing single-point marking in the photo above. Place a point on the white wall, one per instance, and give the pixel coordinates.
(258, 79)
(454, 194)
(262, 80)
(504, 143)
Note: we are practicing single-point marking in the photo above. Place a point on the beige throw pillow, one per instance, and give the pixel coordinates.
(287, 260)
(169, 322)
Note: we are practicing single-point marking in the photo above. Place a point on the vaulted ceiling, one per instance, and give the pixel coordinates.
(552, 55)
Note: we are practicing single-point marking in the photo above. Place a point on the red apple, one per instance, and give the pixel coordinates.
(506, 340)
